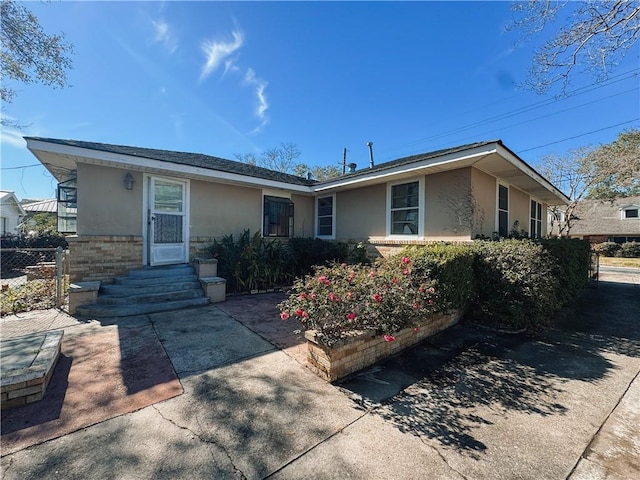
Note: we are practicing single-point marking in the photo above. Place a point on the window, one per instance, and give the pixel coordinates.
(503, 211)
(325, 218)
(405, 209)
(67, 206)
(535, 230)
(631, 213)
(278, 217)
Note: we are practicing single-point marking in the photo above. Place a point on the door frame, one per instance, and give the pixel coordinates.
(146, 220)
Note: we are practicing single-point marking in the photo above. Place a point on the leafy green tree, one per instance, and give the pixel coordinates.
(618, 167)
(594, 35)
(43, 222)
(605, 172)
(28, 54)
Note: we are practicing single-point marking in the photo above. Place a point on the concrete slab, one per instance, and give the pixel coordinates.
(265, 411)
(198, 340)
(370, 449)
(615, 451)
(100, 374)
(140, 445)
(260, 315)
(527, 409)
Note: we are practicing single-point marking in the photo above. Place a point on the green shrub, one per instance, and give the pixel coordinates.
(629, 250)
(33, 295)
(340, 298)
(572, 258)
(607, 249)
(510, 284)
(39, 240)
(451, 268)
(516, 285)
(251, 262)
(308, 252)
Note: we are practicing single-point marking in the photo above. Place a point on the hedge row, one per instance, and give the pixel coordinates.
(511, 284)
(612, 249)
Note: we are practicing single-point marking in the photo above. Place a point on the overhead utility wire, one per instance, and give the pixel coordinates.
(23, 166)
(578, 136)
(511, 125)
(526, 108)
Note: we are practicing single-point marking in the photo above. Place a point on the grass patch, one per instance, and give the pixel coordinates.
(34, 295)
(619, 262)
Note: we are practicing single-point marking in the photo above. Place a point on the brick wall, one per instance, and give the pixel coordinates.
(353, 354)
(198, 247)
(596, 238)
(102, 257)
(385, 248)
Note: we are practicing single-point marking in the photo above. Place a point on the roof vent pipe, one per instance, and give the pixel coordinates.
(370, 145)
(344, 160)
(352, 167)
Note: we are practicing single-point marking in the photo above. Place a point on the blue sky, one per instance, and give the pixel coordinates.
(224, 78)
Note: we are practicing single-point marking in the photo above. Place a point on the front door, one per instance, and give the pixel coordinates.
(167, 221)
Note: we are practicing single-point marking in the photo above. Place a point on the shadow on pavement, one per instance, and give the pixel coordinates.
(434, 390)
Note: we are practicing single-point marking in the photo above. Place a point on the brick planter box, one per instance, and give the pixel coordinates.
(363, 349)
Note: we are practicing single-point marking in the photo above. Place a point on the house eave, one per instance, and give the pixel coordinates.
(60, 160)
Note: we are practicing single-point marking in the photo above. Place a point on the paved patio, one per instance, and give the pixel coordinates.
(469, 404)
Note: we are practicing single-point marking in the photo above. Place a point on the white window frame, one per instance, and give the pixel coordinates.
(539, 209)
(624, 210)
(333, 217)
(421, 206)
(498, 209)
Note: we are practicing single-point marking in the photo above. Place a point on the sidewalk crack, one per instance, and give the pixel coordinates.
(203, 440)
(444, 459)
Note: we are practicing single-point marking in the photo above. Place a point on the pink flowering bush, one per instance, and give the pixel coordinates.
(340, 299)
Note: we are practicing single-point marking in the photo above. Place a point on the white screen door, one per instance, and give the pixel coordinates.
(167, 235)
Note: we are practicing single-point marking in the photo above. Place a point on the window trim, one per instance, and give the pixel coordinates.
(624, 210)
(540, 212)
(333, 217)
(421, 207)
(498, 209)
(280, 199)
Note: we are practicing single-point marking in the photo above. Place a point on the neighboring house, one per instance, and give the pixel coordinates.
(63, 211)
(11, 212)
(607, 220)
(141, 206)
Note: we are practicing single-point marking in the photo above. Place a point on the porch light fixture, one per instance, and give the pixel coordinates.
(129, 181)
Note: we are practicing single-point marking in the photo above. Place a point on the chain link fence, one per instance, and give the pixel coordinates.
(32, 279)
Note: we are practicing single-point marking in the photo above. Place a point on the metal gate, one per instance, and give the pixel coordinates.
(32, 279)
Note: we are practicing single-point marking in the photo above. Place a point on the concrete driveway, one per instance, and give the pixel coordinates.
(470, 404)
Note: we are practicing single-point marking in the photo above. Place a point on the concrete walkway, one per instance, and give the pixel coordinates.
(563, 405)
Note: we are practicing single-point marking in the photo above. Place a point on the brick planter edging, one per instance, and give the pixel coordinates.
(363, 349)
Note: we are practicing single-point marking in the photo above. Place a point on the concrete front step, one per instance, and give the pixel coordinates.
(162, 280)
(148, 290)
(128, 290)
(139, 298)
(105, 311)
(163, 271)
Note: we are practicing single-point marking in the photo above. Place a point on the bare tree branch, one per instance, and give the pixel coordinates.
(595, 36)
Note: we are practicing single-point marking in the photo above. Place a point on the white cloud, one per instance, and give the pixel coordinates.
(164, 36)
(217, 52)
(260, 85)
(230, 66)
(12, 137)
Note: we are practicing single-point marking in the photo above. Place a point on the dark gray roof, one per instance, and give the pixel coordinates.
(231, 166)
(603, 217)
(184, 158)
(421, 157)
